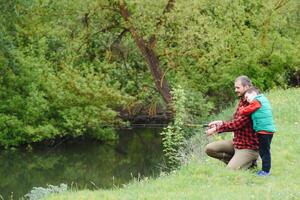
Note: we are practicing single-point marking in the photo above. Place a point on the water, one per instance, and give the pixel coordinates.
(82, 163)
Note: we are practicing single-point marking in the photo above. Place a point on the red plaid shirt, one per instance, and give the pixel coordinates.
(244, 135)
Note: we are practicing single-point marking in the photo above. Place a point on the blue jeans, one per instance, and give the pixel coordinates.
(264, 150)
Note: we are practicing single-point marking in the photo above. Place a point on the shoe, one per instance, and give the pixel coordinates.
(263, 173)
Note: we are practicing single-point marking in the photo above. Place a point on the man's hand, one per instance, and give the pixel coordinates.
(211, 131)
(215, 123)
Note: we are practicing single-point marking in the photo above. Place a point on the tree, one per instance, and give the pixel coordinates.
(148, 52)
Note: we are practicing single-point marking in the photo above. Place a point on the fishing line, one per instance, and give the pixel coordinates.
(130, 127)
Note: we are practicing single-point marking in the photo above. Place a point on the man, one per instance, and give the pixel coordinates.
(242, 151)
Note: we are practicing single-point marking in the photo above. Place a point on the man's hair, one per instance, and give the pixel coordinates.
(245, 81)
(253, 89)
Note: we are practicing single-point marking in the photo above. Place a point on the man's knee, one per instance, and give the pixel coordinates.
(233, 166)
(243, 159)
(209, 149)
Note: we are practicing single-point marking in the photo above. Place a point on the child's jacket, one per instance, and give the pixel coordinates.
(263, 117)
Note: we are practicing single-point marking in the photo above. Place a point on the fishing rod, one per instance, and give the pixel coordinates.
(153, 126)
(132, 126)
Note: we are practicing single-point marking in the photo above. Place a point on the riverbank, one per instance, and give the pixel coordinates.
(209, 179)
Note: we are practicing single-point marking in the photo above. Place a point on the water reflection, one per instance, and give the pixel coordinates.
(82, 163)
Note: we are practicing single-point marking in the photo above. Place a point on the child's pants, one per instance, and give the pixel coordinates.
(264, 150)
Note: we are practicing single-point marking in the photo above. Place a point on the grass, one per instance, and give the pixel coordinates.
(209, 179)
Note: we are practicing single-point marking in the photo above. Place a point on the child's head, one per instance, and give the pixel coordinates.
(251, 93)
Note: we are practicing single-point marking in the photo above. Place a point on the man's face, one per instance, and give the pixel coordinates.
(240, 89)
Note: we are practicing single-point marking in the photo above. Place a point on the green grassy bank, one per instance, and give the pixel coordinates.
(209, 179)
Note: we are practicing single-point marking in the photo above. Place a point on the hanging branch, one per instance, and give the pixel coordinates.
(170, 5)
(266, 24)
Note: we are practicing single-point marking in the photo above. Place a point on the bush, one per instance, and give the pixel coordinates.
(176, 133)
(38, 193)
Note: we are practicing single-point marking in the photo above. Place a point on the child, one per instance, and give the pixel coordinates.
(263, 124)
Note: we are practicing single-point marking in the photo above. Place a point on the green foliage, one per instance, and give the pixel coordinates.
(213, 42)
(47, 89)
(68, 67)
(187, 110)
(11, 130)
(173, 135)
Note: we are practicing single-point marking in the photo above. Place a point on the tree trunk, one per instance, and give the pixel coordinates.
(149, 55)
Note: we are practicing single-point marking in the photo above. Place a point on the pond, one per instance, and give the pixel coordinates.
(82, 163)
